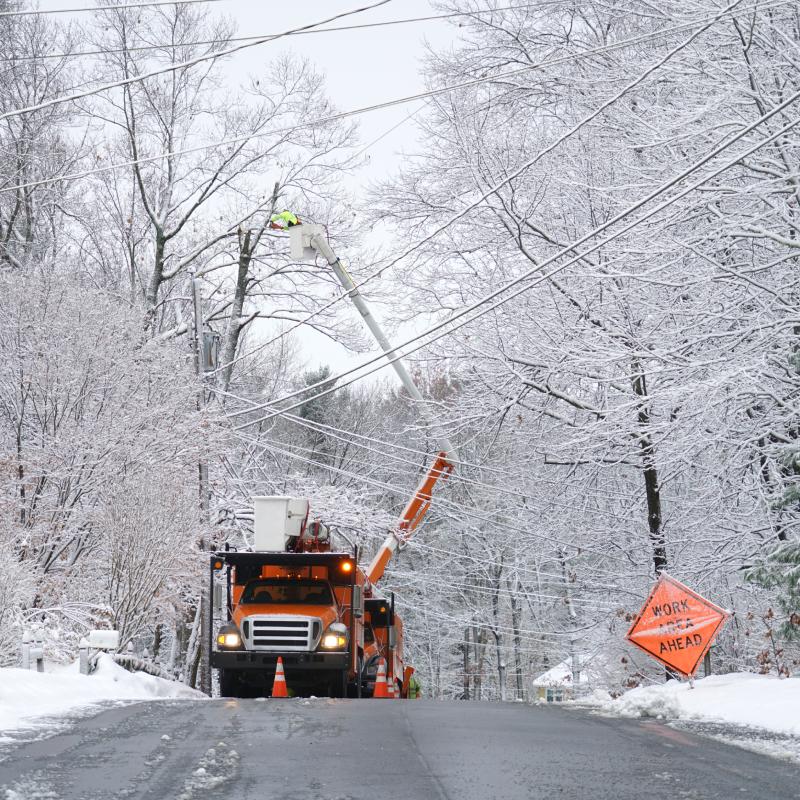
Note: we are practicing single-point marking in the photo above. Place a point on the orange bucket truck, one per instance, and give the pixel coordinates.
(295, 598)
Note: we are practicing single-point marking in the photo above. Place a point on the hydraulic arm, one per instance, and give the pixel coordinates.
(308, 240)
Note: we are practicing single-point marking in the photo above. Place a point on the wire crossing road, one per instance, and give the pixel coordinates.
(348, 750)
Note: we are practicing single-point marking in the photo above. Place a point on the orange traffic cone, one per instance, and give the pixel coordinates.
(380, 682)
(279, 684)
(390, 690)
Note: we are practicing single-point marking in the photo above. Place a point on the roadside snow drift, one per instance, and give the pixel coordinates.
(739, 699)
(26, 697)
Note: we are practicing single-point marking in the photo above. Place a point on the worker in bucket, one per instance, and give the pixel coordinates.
(414, 688)
(284, 220)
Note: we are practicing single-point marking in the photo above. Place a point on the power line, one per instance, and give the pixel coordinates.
(530, 273)
(413, 474)
(44, 11)
(348, 436)
(644, 38)
(455, 587)
(486, 195)
(416, 543)
(202, 42)
(456, 507)
(183, 64)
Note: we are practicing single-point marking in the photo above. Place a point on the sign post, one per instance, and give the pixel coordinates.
(676, 626)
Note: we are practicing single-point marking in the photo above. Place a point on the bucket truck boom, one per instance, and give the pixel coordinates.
(307, 241)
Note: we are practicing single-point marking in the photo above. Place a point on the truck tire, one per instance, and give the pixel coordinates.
(229, 683)
(354, 688)
(338, 685)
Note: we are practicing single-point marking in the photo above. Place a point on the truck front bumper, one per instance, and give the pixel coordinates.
(266, 662)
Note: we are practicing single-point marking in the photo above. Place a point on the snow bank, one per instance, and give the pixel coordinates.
(26, 697)
(738, 699)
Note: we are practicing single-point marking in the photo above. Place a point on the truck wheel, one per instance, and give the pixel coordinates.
(338, 687)
(354, 689)
(229, 683)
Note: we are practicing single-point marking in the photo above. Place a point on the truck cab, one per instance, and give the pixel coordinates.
(306, 608)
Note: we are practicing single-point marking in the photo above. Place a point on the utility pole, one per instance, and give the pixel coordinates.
(199, 362)
(204, 671)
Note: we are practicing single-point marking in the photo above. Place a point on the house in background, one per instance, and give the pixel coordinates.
(555, 685)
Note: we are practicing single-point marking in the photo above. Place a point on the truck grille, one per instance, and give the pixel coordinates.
(272, 633)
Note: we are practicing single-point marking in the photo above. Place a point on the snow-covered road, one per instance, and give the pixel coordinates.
(347, 750)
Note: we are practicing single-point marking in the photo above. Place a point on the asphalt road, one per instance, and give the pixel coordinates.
(381, 750)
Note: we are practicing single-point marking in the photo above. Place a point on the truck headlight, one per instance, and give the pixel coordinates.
(228, 638)
(335, 637)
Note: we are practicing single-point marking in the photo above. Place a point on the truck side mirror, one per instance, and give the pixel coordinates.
(217, 599)
(392, 637)
(358, 602)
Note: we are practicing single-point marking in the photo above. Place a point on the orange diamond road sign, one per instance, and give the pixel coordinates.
(676, 626)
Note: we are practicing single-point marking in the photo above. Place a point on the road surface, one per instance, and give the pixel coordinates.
(381, 750)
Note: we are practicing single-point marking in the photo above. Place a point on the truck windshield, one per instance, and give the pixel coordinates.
(288, 591)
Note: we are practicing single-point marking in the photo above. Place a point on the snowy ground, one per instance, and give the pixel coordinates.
(31, 701)
(755, 711)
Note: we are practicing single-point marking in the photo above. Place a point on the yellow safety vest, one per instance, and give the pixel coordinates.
(285, 217)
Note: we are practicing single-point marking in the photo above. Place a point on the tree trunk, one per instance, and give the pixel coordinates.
(479, 640)
(193, 649)
(652, 488)
(157, 277)
(247, 248)
(498, 646)
(466, 651)
(515, 626)
(157, 635)
(237, 306)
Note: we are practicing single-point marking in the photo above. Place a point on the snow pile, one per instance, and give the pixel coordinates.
(27, 696)
(758, 701)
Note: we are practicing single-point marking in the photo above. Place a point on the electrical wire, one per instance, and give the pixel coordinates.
(565, 251)
(350, 435)
(184, 64)
(645, 38)
(406, 474)
(423, 602)
(484, 560)
(347, 438)
(203, 42)
(414, 475)
(39, 12)
(457, 587)
(459, 509)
